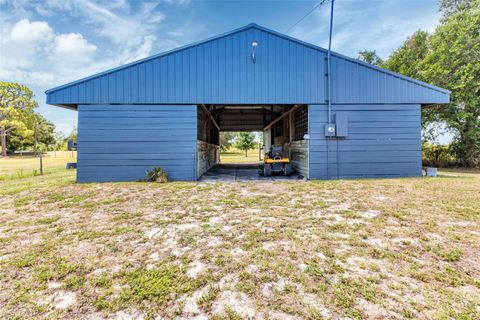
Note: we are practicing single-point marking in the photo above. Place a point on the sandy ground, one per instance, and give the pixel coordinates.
(375, 249)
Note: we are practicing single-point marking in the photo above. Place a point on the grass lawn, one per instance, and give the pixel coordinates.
(383, 248)
(238, 156)
(17, 166)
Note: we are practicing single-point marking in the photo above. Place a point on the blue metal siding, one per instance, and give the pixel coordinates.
(382, 141)
(119, 143)
(220, 71)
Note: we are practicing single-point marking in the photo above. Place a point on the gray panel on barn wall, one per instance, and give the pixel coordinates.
(220, 71)
(121, 142)
(382, 141)
(341, 124)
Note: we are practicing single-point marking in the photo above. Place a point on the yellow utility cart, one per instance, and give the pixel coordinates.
(276, 161)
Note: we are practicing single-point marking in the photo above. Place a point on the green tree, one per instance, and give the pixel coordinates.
(449, 7)
(449, 58)
(45, 133)
(18, 120)
(453, 62)
(226, 139)
(407, 59)
(245, 141)
(370, 56)
(16, 107)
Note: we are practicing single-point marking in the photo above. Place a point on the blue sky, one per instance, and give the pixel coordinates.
(47, 43)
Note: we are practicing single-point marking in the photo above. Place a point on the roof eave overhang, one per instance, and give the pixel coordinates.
(66, 106)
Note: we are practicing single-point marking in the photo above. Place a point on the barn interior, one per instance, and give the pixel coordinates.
(282, 125)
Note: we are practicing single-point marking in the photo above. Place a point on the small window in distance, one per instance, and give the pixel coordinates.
(300, 120)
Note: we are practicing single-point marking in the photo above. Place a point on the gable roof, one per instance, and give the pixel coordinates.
(251, 26)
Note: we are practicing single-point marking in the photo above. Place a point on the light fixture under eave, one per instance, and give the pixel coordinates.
(254, 45)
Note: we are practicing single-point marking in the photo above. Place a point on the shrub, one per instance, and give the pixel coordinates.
(157, 174)
(438, 156)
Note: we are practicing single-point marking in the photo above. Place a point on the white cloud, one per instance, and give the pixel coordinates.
(114, 20)
(19, 45)
(72, 48)
(27, 32)
(25, 77)
(124, 23)
(32, 53)
(142, 51)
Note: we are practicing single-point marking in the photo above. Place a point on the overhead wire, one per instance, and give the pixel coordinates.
(306, 15)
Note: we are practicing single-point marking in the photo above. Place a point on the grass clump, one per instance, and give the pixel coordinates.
(21, 201)
(452, 255)
(205, 301)
(157, 285)
(157, 174)
(314, 269)
(102, 281)
(246, 282)
(74, 282)
(55, 269)
(48, 220)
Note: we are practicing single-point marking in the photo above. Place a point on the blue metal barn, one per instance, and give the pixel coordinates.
(167, 110)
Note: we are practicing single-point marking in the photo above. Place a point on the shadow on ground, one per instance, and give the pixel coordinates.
(241, 172)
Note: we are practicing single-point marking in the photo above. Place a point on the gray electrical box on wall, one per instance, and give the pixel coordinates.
(329, 130)
(341, 120)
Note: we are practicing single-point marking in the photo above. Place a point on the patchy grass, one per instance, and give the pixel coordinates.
(386, 248)
(18, 166)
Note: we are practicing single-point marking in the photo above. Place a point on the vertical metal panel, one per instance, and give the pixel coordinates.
(383, 141)
(341, 122)
(119, 143)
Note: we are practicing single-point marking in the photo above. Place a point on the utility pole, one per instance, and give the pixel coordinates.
(41, 163)
(329, 79)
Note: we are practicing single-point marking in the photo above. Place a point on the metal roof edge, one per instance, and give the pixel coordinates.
(261, 28)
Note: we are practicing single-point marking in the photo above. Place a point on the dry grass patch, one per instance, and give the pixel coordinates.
(394, 248)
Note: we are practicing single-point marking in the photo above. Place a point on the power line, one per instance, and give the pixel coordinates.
(306, 15)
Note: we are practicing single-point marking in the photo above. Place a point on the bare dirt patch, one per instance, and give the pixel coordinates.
(396, 248)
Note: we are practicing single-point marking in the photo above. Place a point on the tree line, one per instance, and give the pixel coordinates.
(21, 127)
(449, 58)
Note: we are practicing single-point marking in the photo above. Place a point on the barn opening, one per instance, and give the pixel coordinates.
(280, 125)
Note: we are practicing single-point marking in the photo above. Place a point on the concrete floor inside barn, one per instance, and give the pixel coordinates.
(241, 172)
